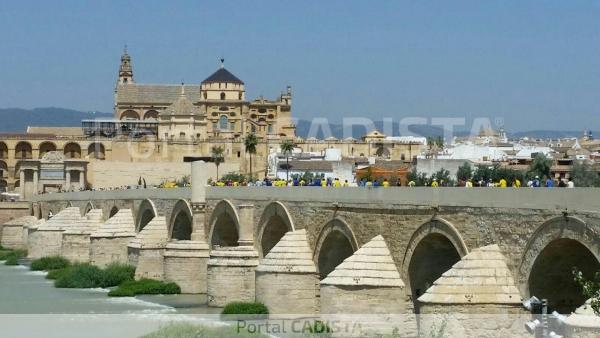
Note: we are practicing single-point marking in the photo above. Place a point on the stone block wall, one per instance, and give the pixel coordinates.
(44, 243)
(76, 247)
(12, 237)
(149, 263)
(362, 300)
(105, 250)
(12, 210)
(475, 320)
(288, 293)
(188, 272)
(230, 283)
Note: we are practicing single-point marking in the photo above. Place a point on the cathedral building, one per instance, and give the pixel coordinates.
(216, 108)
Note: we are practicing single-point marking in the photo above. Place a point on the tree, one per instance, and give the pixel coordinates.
(540, 166)
(590, 288)
(584, 175)
(287, 147)
(464, 172)
(420, 179)
(250, 143)
(217, 157)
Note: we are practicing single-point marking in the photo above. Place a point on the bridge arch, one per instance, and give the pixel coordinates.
(274, 222)
(180, 224)
(336, 242)
(224, 225)
(113, 211)
(432, 250)
(89, 206)
(146, 212)
(557, 246)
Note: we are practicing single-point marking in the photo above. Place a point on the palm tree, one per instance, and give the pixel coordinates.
(287, 147)
(250, 143)
(217, 157)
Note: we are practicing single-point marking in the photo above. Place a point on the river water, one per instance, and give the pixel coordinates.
(30, 306)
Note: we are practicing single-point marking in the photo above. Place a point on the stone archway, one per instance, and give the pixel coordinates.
(336, 242)
(274, 223)
(557, 246)
(180, 225)
(224, 225)
(433, 249)
(88, 207)
(46, 147)
(146, 212)
(113, 211)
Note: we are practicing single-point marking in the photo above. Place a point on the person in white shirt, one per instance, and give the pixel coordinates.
(570, 184)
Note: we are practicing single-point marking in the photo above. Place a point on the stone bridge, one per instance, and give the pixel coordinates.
(536, 235)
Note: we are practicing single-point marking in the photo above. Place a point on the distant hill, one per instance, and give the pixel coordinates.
(16, 120)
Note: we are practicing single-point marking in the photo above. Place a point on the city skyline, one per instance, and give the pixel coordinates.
(517, 62)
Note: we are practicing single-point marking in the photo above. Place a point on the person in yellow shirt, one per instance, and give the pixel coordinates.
(302, 183)
(346, 184)
(386, 183)
(469, 184)
(502, 183)
(517, 183)
(435, 183)
(323, 183)
(412, 184)
(337, 183)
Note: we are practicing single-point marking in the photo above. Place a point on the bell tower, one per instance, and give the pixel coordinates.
(125, 69)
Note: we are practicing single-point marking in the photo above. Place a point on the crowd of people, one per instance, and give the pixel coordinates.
(385, 183)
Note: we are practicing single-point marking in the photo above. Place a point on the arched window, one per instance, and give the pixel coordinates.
(46, 147)
(223, 122)
(96, 151)
(151, 115)
(23, 151)
(72, 150)
(130, 115)
(3, 150)
(222, 96)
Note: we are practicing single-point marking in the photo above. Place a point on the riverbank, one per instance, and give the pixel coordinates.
(31, 306)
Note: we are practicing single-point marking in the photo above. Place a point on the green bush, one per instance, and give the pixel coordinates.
(80, 276)
(56, 274)
(245, 308)
(191, 330)
(49, 263)
(12, 257)
(117, 273)
(144, 287)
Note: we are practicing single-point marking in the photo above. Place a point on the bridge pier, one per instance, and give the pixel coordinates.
(109, 242)
(476, 297)
(186, 261)
(231, 275)
(76, 242)
(47, 239)
(12, 232)
(286, 279)
(146, 250)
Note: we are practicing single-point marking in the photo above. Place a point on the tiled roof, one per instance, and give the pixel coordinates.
(291, 254)
(481, 277)
(158, 94)
(371, 265)
(87, 224)
(223, 75)
(120, 225)
(153, 235)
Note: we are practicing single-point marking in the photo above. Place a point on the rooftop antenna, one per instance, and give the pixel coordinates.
(125, 49)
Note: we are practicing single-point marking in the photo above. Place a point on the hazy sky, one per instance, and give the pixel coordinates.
(535, 64)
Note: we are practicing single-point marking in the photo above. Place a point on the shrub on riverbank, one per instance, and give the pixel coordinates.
(12, 257)
(80, 276)
(85, 275)
(56, 274)
(191, 330)
(245, 308)
(49, 263)
(144, 287)
(117, 273)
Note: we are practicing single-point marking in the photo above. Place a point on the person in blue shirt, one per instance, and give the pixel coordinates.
(549, 183)
(536, 182)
